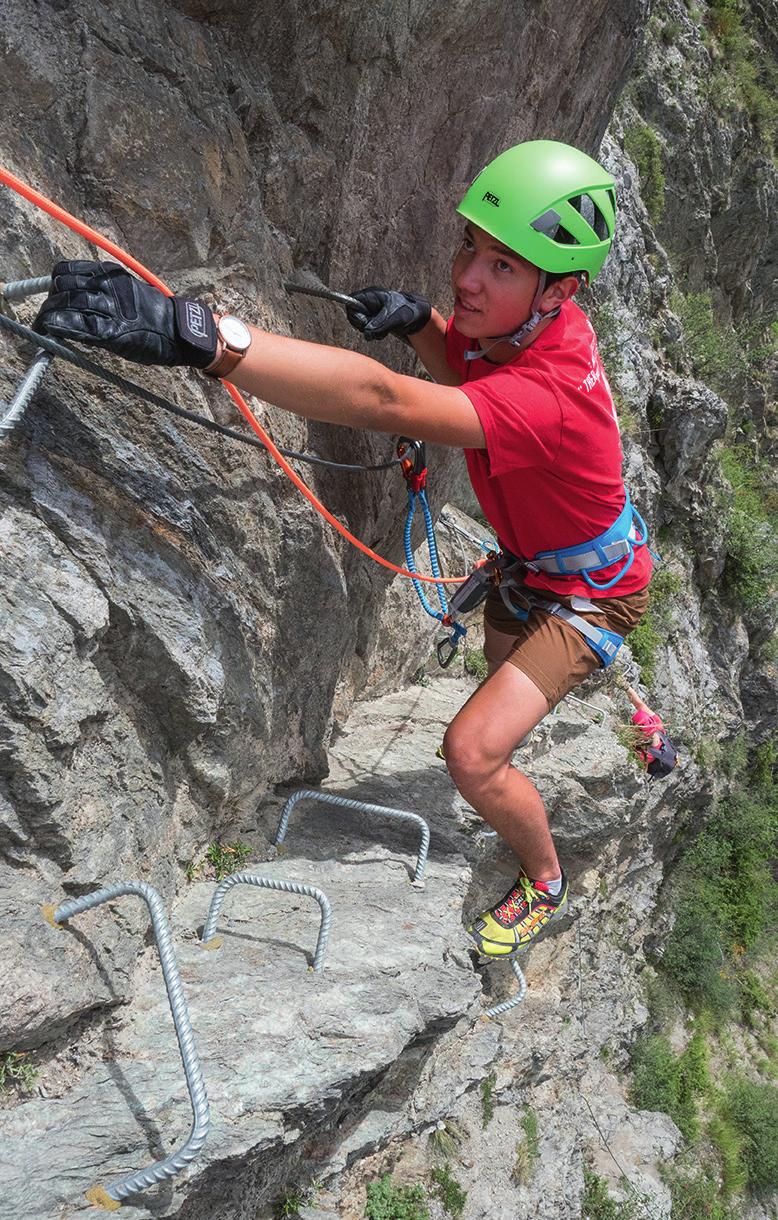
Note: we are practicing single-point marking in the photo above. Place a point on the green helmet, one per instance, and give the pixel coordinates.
(549, 202)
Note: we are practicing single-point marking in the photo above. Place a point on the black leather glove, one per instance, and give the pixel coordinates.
(386, 312)
(102, 304)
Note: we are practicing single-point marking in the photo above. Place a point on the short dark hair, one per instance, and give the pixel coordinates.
(553, 276)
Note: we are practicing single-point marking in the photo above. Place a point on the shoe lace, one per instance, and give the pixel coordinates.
(519, 897)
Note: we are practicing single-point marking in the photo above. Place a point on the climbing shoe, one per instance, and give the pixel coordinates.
(518, 919)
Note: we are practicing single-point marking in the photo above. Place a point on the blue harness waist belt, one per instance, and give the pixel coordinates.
(619, 541)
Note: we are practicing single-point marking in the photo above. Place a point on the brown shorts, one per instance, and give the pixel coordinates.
(551, 652)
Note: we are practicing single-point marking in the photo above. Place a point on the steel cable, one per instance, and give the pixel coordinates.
(55, 348)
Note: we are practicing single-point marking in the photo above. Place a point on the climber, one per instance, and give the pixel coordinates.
(518, 383)
(652, 743)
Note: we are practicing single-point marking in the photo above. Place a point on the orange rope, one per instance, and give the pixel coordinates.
(97, 239)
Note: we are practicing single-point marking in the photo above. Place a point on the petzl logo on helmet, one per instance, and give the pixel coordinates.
(493, 199)
(196, 320)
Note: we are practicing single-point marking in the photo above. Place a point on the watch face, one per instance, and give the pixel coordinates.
(235, 333)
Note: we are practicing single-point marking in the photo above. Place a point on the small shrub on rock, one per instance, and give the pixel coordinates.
(385, 1201)
(642, 145)
(753, 1110)
(450, 1193)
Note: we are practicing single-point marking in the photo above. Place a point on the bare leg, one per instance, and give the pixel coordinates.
(478, 746)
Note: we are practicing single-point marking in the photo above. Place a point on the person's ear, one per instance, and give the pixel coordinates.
(559, 292)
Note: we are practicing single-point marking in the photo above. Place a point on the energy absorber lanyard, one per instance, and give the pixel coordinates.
(413, 456)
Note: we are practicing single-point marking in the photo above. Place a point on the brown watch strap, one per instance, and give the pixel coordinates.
(225, 363)
(226, 359)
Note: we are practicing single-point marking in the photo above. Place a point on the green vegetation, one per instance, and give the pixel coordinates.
(751, 566)
(609, 337)
(745, 76)
(642, 145)
(729, 1148)
(665, 1082)
(287, 1206)
(696, 1195)
(16, 1072)
(644, 643)
(487, 1098)
(645, 640)
(448, 1137)
(727, 900)
(723, 355)
(597, 1204)
(388, 1202)
(753, 1111)
(450, 1193)
(476, 664)
(726, 923)
(219, 861)
(528, 1150)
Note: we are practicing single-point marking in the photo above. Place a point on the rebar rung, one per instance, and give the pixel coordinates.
(329, 798)
(498, 1009)
(17, 290)
(24, 391)
(271, 883)
(173, 1164)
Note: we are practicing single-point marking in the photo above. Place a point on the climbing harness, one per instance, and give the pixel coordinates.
(620, 541)
(504, 571)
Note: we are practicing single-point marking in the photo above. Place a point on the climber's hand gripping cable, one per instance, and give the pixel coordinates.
(103, 305)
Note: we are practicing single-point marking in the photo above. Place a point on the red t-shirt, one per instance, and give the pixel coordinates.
(550, 475)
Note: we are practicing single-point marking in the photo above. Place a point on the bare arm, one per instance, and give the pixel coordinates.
(343, 387)
(430, 346)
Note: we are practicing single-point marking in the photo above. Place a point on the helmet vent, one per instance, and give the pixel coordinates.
(591, 214)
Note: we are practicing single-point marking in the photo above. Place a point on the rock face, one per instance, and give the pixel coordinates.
(174, 647)
(181, 636)
(308, 1075)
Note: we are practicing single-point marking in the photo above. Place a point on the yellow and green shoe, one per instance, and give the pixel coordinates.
(519, 918)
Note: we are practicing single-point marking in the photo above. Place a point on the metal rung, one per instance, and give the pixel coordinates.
(111, 1196)
(17, 290)
(211, 941)
(328, 798)
(24, 391)
(514, 1000)
(593, 706)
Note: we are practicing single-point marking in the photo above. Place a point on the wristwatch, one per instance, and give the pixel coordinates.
(233, 340)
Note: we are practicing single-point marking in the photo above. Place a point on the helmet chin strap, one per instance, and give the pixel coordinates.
(515, 339)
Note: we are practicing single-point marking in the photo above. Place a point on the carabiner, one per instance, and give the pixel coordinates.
(413, 460)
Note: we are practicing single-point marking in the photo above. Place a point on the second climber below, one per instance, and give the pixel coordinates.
(519, 385)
